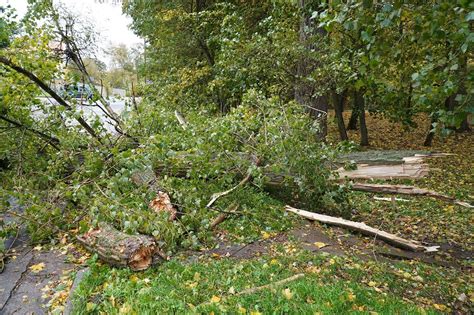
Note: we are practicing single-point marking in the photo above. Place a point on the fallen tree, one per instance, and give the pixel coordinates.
(120, 249)
(362, 228)
(273, 180)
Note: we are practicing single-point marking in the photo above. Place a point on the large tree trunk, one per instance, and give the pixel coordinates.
(305, 91)
(360, 105)
(338, 100)
(352, 125)
(464, 127)
(122, 250)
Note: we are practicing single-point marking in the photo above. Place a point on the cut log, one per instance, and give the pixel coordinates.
(362, 228)
(120, 249)
(406, 190)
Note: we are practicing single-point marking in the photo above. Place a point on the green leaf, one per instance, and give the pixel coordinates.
(470, 16)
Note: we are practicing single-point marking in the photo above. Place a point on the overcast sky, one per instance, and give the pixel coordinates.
(108, 19)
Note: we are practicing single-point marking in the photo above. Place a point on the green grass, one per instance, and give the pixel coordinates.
(330, 286)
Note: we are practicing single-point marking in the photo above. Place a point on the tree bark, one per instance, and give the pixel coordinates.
(122, 250)
(338, 100)
(352, 125)
(360, 104)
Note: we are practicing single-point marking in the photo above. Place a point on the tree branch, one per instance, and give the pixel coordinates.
(49, 91)
(53, 141)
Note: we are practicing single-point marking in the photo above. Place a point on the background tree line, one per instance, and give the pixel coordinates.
(395, 58)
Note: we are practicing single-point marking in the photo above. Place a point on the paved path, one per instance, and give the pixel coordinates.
(21, 288)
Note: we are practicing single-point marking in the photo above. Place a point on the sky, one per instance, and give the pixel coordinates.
(107, 18)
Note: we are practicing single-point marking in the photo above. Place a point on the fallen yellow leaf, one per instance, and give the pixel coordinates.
(351, 297)
(440, 307)
(287, 294)
(320, 244)
(37, 268)
(215, 299)
(191, 285)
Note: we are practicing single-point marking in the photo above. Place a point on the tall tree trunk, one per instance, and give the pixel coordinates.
(464, 126)
(360, 105)
(462, 90)
(352, 125)
(338, 100)
(305, 91)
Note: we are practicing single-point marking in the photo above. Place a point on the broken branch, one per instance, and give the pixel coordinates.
(222, 216)
(271, 285)
(362, 228)
(224, 193)
(406, 190)
(181, 119)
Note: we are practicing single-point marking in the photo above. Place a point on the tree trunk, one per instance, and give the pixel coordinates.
(338, 100)
(360, 104)
(429, 137)
(316, 105)
(406, 190)
(352, 125)
(464, 127)
(122, 250)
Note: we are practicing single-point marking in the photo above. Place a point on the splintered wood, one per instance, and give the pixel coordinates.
(408, 167)
(162, 203)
